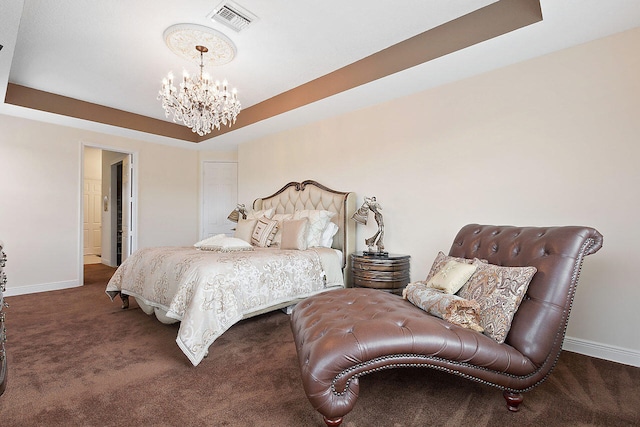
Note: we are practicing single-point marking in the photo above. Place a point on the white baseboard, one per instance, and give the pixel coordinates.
(44, 287)
(602, 351)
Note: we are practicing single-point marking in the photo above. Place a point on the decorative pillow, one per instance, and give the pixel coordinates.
(244, 229)
(259, 214)
(209, 240)
(452, 276)
(441, 260)
(326, 240)
(294, 234)
(223, 243)
(449, 307)
(264, 232)
(280, 218)
(499, 291)
(318, 220)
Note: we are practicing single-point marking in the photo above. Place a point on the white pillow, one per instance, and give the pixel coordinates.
(318, 220)
(258, 214)
(223, 243)
(326, 240)
(209, 240)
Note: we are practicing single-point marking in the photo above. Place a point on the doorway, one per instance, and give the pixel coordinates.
(116, 206)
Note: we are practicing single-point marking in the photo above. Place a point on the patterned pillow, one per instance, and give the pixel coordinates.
(294, 234)
(318, 220)
(449, 307)
(441, 260)
(264, 232)
(499, 291)
(452, 276)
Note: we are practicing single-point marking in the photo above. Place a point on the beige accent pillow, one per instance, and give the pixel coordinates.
(499, 291)
(244, 229)
(277, 239)
(449, 307)
(441, 260)
(452, 276)
(294, 234)
(264, 232)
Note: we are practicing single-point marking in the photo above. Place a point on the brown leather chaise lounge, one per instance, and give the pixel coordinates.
(345, 334)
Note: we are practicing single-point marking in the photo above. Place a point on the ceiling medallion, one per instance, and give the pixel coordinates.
(200, 103)
(182, 38)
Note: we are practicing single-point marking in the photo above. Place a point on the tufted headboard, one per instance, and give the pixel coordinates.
(309, 194)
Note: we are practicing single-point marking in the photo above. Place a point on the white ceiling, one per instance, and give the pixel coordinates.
(112, 52)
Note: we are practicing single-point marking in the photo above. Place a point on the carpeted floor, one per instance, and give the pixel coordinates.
(77, 359)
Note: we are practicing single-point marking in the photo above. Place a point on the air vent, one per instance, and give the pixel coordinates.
(232, 15)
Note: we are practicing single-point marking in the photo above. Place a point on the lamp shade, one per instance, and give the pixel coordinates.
(235, 214)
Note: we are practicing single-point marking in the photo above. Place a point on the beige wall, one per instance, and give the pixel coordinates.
(40, 190)
(551, 141)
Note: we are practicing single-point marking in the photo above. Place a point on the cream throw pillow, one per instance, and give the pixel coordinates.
(441, 260)
(244, 229)
(452, 276)
(294, 234)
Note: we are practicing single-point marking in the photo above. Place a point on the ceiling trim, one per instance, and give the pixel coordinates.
(476, 27)
(34, 99)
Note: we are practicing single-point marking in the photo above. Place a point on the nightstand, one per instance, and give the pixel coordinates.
(389, 273)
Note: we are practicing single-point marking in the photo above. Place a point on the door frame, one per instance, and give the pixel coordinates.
(134, 207)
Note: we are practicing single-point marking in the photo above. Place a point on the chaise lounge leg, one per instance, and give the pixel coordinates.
(513, 400)
(333, 422)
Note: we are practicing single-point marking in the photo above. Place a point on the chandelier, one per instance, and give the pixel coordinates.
(200, 103)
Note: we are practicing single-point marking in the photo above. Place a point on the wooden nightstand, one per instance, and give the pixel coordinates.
(390, 273)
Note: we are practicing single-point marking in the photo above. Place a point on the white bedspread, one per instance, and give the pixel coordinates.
(209, 291)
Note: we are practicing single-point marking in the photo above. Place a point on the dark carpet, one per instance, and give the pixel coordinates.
(77, 359)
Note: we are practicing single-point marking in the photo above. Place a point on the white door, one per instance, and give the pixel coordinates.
(127, 207)
(219, 197)
(92, 214)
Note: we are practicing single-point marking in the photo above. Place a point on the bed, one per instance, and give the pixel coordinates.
(211, 287)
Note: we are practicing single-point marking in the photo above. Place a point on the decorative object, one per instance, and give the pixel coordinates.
(361, 216)
(200, 103)
(235, 214)
(343, 335)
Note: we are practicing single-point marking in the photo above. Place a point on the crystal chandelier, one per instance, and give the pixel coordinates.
(200, 103)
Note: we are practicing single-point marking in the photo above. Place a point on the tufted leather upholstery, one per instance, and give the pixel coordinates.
(344, 334)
